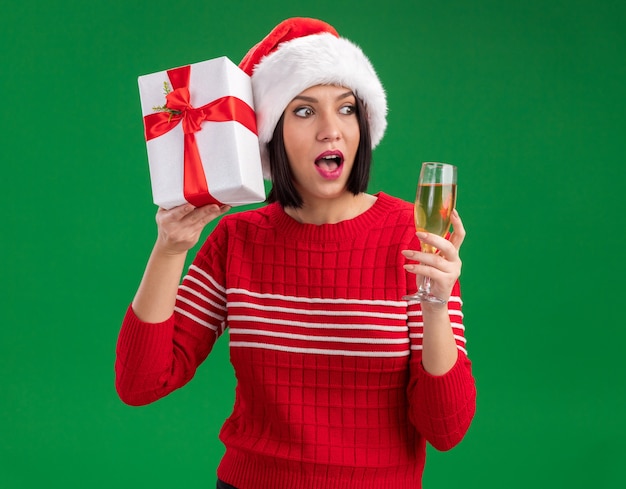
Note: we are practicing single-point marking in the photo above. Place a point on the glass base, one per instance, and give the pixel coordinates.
(422, 296)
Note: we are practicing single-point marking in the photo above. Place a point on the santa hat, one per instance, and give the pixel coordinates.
(300, 53)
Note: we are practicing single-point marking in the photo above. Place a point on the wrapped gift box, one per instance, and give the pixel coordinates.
(200, 132)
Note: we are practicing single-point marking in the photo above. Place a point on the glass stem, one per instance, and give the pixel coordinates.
(425, 287)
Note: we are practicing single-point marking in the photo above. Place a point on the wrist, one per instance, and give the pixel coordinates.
(163, 250)
(435, 308)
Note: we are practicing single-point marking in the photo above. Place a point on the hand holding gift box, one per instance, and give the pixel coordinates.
(200, 131)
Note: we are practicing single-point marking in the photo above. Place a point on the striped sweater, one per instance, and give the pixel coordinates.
(330, 391)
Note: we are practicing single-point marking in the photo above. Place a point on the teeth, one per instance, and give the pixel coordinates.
(329, 162)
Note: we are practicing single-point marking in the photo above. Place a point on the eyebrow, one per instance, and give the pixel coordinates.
(313, 100)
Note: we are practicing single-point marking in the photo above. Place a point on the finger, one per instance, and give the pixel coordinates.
(410, 254)
(201, 213)
(448, 251)
(181, 211)
(424, 270)
(441, 281)
(169, 217)
(444, 246)
(205, 214)
(419, 269)
(175, 213)
(458, 235)
(216, 211)
(427, 261)
(439, 262)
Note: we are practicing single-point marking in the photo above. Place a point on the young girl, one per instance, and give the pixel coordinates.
(340, 383)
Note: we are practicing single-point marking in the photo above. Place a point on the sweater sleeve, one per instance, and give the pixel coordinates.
(442, 407)
(153, 359)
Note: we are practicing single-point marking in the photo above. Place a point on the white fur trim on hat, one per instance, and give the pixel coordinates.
(304, 62)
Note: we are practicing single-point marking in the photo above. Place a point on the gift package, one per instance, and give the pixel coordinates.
(200, 131)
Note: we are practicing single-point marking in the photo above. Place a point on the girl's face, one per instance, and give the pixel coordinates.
(321, 137)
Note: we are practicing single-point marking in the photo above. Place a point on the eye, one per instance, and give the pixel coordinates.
(348, 109)
(303, 111)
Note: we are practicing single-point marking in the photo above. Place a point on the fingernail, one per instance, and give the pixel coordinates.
(455, 213)
(407, 253)
(421, 235)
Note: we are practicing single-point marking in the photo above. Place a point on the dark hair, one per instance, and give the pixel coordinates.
(284, 191)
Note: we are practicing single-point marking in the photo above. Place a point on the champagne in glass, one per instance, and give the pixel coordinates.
(434, 202)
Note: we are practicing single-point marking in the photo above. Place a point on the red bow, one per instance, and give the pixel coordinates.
(195, 189)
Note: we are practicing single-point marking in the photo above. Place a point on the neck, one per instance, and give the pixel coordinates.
(332, 211)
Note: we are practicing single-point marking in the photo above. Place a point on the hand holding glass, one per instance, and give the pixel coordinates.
(434, 202)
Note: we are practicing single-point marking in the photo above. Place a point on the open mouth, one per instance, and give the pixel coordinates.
(329, 163)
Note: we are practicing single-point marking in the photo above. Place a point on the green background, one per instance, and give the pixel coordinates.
(526, 97)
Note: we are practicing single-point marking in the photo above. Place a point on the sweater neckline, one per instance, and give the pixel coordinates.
(342, 230)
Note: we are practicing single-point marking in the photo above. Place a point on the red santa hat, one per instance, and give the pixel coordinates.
(300, 53)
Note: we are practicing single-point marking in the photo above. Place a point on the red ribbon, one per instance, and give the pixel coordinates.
(195, 188)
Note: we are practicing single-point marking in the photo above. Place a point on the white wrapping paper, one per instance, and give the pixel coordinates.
(229, 151)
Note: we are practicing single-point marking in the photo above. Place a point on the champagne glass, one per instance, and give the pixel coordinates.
(434, 202)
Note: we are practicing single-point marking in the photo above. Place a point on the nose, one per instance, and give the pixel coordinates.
(329, 128)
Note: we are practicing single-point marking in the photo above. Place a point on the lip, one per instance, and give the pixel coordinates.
(334, 174)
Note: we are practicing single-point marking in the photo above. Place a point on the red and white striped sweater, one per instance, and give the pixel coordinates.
(330, 391)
